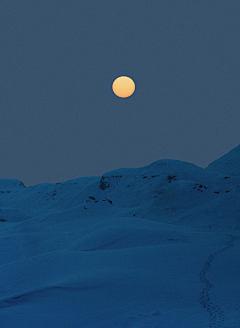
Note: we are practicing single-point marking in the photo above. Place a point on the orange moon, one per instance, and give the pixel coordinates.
(123, 86)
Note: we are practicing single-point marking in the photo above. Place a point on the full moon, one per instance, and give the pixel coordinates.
(123, 87)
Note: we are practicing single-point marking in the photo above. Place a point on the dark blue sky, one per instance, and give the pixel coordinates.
(59, 117)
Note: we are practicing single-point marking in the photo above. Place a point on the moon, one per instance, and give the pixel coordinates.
(123, 86)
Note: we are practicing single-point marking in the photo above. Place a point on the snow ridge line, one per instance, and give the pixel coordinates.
(216, 313)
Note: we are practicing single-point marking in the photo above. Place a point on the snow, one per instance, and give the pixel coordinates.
(227, 164)
(151, 247)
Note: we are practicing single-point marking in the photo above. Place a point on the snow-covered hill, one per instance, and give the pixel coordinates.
(150, 247)
(228, 164)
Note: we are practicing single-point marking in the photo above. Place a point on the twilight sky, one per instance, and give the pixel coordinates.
(60, 119)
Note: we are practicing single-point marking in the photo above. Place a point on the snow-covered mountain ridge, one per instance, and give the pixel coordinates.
(159, 190)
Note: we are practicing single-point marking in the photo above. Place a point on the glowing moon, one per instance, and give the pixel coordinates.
(123, 87)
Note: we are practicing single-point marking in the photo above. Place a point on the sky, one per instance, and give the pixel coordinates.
(60, 119)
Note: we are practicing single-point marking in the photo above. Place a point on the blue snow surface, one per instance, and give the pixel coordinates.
(151, 247)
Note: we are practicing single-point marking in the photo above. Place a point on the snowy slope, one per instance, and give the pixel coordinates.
(227, 164)
(150, 247)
